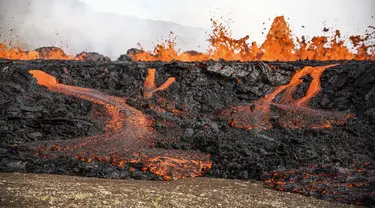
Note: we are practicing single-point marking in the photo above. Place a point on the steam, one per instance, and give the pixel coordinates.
(75, 27)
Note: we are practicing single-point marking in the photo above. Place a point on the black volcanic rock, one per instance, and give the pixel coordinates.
(192, 53)
(188, 119)
(124, 58)
(93, 56)
(134, 51)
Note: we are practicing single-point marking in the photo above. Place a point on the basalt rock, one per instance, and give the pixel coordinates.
(134, 51)
(186, 118)
(92, 56)
(124, 58)
(192, 53)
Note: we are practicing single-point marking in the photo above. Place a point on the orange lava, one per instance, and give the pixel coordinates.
(315, 179)
(161, 166)
(292, 113)
(49, 54)
(315, 73)
(150, 87)
(129, 137)
(44, 79)
(17, 53)
(279, 45)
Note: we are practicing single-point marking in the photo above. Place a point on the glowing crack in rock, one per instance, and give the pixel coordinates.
(129, 137)
(288, 112)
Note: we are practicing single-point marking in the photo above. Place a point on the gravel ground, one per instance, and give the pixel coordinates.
(33, 190)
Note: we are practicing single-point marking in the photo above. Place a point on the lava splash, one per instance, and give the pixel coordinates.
(129, 138)
(278, 45)
(289, 113)
(44, 53)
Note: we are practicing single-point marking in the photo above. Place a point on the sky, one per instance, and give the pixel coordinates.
(249, 17)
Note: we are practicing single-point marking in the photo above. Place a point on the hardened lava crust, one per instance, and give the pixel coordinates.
(190, 121)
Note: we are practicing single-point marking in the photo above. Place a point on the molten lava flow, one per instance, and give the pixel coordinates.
(314, 88)
(150, 87)
(129, 137)
(290, 113)
(176, 164)
(163, 165)
(41, 53)
(44, 79)
(279, 45)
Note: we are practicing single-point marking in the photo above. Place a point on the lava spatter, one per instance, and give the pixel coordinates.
(129, 137)
(278, 45)
(44, 53)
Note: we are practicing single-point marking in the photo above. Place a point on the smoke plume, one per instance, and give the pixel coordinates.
(75, 27)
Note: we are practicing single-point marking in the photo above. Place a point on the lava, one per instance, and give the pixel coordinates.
(279, 45)
(44, 53)
(129, 137)
(290, 113)
(150, 87)
(314, 180)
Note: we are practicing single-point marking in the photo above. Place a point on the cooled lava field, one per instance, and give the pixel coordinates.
(306, 127)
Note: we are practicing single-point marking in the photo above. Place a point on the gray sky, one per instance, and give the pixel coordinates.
(248, 16)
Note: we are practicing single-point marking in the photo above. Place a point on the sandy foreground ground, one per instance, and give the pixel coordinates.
(33, 190)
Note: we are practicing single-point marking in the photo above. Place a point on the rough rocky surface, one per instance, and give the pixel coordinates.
(31, 113)
(31, 190)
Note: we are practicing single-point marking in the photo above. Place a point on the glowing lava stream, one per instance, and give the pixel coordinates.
(150, 87)
(129, 138)
(294, 113)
